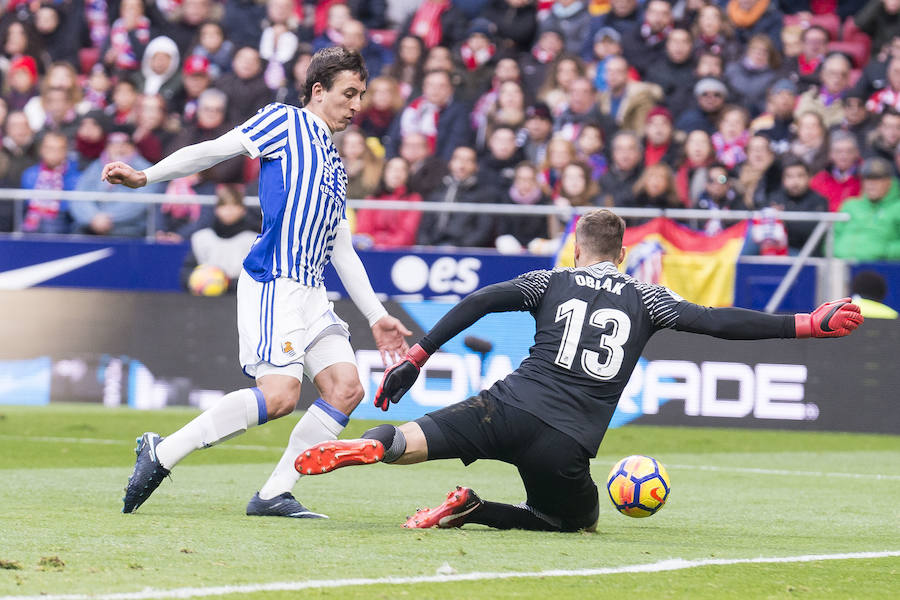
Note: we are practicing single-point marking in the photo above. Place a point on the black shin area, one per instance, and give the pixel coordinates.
(508, 516)
(391, 438)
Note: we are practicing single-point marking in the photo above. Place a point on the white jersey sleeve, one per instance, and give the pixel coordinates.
(353, 275)
(195, 158)
(265, 133)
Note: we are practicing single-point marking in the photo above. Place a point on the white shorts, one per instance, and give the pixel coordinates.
(288, 328)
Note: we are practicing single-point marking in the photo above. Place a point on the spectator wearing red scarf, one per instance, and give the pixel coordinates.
(805, 69)
(128, 37)
(537, 63)
(889, 95)
(477, 56)
(53, 172)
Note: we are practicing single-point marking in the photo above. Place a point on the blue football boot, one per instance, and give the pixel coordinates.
(283, 505)
(147, 475)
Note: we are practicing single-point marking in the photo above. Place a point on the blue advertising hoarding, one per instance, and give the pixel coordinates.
(406, 274)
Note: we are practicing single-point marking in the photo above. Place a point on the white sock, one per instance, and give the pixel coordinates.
(320, 423)
(230, 416)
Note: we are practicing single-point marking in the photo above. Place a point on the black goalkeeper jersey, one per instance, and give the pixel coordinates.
(592, 325)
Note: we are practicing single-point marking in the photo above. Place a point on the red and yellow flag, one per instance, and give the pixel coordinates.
(698, 267)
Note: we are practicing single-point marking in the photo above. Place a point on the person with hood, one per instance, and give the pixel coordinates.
(90, 138)
(159, 68)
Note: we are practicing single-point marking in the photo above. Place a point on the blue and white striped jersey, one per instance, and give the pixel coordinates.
(302, 191)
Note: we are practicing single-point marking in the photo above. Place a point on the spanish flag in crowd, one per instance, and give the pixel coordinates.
(698, 267)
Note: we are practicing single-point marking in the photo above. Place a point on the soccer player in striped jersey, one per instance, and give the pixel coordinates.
(549, 416)
(287, 326)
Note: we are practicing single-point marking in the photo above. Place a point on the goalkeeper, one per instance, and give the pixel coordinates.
(549, 416)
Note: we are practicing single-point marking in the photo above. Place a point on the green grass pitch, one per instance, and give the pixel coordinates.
(736, 494)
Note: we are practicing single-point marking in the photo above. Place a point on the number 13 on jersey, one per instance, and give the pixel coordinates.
(573, 312)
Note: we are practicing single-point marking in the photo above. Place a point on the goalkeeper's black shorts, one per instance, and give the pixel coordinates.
(554, 467)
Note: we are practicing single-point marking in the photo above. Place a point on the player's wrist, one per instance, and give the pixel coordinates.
(803, 325)
(417, 355)
(376, 315)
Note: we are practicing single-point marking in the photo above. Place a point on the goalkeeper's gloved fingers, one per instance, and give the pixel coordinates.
(832, 319)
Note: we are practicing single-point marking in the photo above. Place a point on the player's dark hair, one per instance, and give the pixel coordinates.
(600, 232)
(328, 63)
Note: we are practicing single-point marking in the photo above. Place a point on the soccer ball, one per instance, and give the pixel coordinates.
(638, 486)
(207, 280)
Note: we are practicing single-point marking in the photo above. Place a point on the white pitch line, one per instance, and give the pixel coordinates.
(674, 564)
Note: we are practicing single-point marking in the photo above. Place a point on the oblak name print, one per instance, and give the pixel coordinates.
(600, 284)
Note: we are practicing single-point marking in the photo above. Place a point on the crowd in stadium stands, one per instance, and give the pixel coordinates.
(770, 105)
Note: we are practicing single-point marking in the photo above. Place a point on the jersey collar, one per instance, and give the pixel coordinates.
(326, 131)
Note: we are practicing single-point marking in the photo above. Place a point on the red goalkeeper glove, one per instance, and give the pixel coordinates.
(833, 319)
(400, 377)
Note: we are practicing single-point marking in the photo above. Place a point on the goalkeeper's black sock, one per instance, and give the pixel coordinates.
(508, 516)
(391, 438)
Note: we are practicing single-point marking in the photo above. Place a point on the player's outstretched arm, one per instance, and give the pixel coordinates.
(388, 331)
(832, 319)
(400, 377)
(181, 163)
